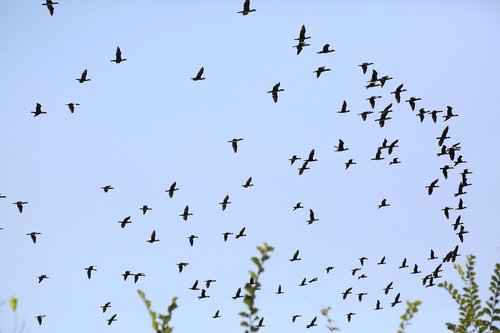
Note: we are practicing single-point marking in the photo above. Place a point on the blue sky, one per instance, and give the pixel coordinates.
(143, 124)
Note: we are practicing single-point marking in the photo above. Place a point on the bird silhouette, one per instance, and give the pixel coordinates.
(446, 211)
(237, 294)
(372, 99)
(181, 266)
(362, 260)
(349, 316)
(312, 219)
(461, 205)
(276, 89)
(364, 66)
(126, 275)
(382, 261)
(298, 205)
(153, 238)
(457, 222)
(89, 270)
(172, 189)
(234, 144)
(50, 6)
(403, 264)
(185, 214)
(83, 77)
(320, 70)
(19, 205)
(415, 270)
(430, 188)
(347, 292)
(377, 306)
(378, 155)
(209, 282)
(261, 323)
(364, 114)
(105, 306)
(71, 107)
(360, 296)
(355, 270)
(33, 236)
(432, 256)
(39, 318)
(226, 235)
(412, 101)
(303, 282)
(341, 146)
(421, 114)
(107, 188)
(397, 93)
(388, 288)
(302, 34)
(111, 319)
(137, 275)
(300, 46)
(396, 300)
(328, 269)
(145, 209)
(326, 49)
(42, 277)
(124, 222)
(311, 158)
(241, 233)
(443, 136)
(445, 169)
(248, 183)
(374, 77)
(216, 315)
(295, 256)
(384, 79)
(118, 56)
(195, 286)
(246, 8)
(225, 202)
(394, 161)
(199, 75)
(349, 163)
(293, 159)
(383, 203)
(461, 233)
(312, 323)
(38, 110)
(191, 239)
(449, 113)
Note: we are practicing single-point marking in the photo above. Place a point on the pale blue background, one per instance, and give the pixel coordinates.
(143, 124)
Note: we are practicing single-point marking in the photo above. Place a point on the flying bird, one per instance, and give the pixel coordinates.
(203, 294)
(349, 163)
(343, 109)
(241, 233)
(340, 146)
(83, 77)
(38, 110)
(378, 307)
(195, 286)
(216, 315)
(446, 211)
(421, 114)
(396, 300)
(19, 205)
(39, 318)
(432, 186)
(328, 269)
(383, 203)
(71, 107)
(105, 306)
(237, 294)
(364, 114)
(347, 292)
(382, 261)
(191, 239)
(225, 202)
(302, 34)
(172, 189)
(274, 92)
(449, 113)
(295, 256)
(378, 155)
(445, 170)
(349, 316)
(384, 79)
(226, 235)
(279, 291)
(107, 188)
(303, 282)
(362, 260)
(209, 282)
(136, 276)
(293, 159)
(124, 222)
(126, 275)
(320, 70)
(403, 264)
(432, 256)
(394, 161)
(360, 296)
(312, 323)
(312, 219)
(181, 266)
(364, 66)
(144, 209)
(118, 56)
(311, 158)
(298, 205)
(89, 271)
(397, 93)
(388, 288)
(300, 46)
(248, 183)
(153, 238)
(199, 75)
(42, 277)
(443, 136)
(33, 236)
(372, 100)
(415, 270)
(111, 319)
(234, 144)
(185, 214)
(246, 8)
(50, 6)
(326, 49)
(412, 101)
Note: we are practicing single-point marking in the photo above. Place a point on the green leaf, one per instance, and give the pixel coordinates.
(13, 303)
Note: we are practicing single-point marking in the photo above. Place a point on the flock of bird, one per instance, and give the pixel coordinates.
(448, 153)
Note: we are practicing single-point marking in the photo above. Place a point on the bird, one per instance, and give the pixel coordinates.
(83, 77)
(459, 160)
(225, 202)
(311, 158)
(302, 34)
(388, 288)
(246, 8)
(107, 188)
(460, 190)
(145, 209)
(50, 6)
(279, 291)
(415, 270)
(33, 236)
(430, 188)
(364, 114)
(349, 163)
(2, 196)
(434, 115)
(360, 296)
(432, 256)
(234, 143)
(293, 159)
(461, 233)
(198, 76)
(446, 211)
(294, 317)
(195, 286)
(298, 205)
(378, 307)
(241, 233)
(396, 300)
(248, 183)
(111, 319)
(274, 92)
(412, 101)
(391, 147)
(384, 79)
(172, 189)
(300, 46)
(89, 270)
(312, 219)
(42, 277)
(403, 264)
(126, 275)
(362, 260)
(382, 261)
(71, 107)
(421, 114)
(153, 238)
(226, 235)
(394, 161)
(378, 155)
(328, 269)
(19, 205)
(39, 318)
(181, 266)
(209, 282)
(303, 282)
(364, 66)
(261, 323)
(383, 203)
(374, 77)
(203, 294)
(372, 100)
(237, 294)
(445, 170)
(185, 214)
(216, 315)
(343, 109)
(354, 270)
(191, 239)
(295, 256)
(320, 70)
(349, 316)
(105, 306)
(372, 84)
(397, 93)
(461, 205)
(304, 167)
(457, 223)
(137, 275)
(443, 136)
(124, 222)
(118, 56)
(312, 323)
(340, 146)
(347, 292)
(326, 49)
(449, 113)
(38, 110)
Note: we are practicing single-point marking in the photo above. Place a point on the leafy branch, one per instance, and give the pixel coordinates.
(412, 308)
(330, 322)
(160, 321)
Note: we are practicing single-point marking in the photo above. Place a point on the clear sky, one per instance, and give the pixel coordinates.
(143, 124)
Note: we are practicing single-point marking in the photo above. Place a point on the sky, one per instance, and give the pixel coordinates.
(143, 124)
